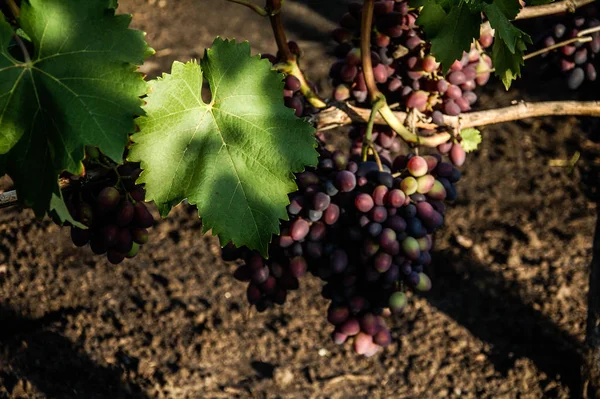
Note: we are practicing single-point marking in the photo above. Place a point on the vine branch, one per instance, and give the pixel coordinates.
(553, 8)
(278, 30)
(345, 114)
(365, 50)
(289, 64)
(583, 39)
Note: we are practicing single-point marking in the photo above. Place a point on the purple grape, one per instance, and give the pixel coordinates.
(299, 229)
(108, 199)
(451, 108)
(79, 236)
(125, 214)
(115, 257)
(364, 202)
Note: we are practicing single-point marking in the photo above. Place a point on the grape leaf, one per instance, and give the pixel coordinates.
(471, 138)
(507, 64)
(233, 157)
(509, 8)
(510, 43)
(76, 85)
(431, 18)
(452, 34)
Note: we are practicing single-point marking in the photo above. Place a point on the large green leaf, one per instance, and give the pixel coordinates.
(233, 157)
(77, 85)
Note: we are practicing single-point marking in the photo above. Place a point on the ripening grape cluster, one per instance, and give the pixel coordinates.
(365, 231)
(578, 60)
(403, 67)
(114, 212)
(269, 280)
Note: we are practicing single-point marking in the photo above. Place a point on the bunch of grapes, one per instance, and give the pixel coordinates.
(269, 280)
(113, 210)
(366, 231)
(578, 60)
(403, 67)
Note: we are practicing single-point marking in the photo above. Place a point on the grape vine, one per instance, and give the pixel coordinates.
(87, 140)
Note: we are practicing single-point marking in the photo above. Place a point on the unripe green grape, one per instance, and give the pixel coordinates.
(133, 251)
(409, 185)
(398, 301)
(139, 235)
(425, 184)
(410, 246)
(424, 283)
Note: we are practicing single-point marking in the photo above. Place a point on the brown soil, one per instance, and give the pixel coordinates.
(505, 319)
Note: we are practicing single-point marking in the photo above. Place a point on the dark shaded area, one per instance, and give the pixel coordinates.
(263, 369)
(54, 364)
(485, 303)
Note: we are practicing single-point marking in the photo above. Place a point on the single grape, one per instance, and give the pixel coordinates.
(575, 78)
(398, 301)
(115, 257)
(108, 199)
(133, 251)
(139, 235)
(364, 202)
(125, 213)
(142, 217)
(457, 155)
(299, 229)
(79, 236)
(337, 315)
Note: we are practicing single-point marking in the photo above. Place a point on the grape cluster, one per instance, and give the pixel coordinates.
(113, 210)
(269, 280)
(403, 67)
(578, 60)
(365, 231)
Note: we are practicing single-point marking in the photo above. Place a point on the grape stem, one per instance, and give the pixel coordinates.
(256, 8)
(376, 156)
(553, 8)
(14, 8)
(289, 64)
(346, 114)
(376, 96)
(278, 31)
(586, 32)
(365, 50)
(292, 68)
(583, 39)
(23, 49)
(368, 139)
